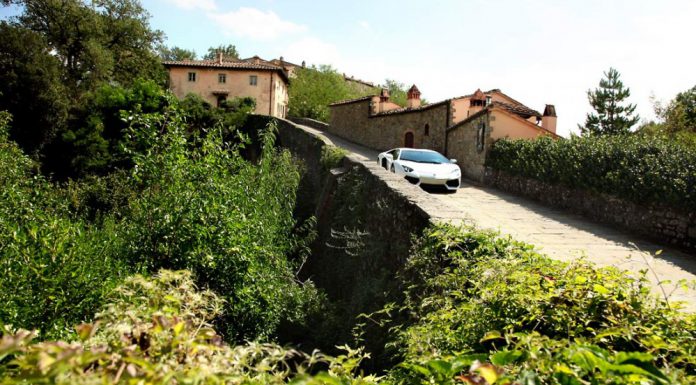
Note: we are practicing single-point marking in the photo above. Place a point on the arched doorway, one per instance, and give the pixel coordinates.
(408, 140)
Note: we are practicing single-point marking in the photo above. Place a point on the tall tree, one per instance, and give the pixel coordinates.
(175, 53)
(57, 53)
(109, 40)
(613, 116)
(31, 87)
(680, 113)
(229, 52)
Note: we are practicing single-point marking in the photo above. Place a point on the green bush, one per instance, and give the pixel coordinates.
(158, 331)
(194, 204)
(637, 168)
(54, 269)
(472, 295)
(230, 222)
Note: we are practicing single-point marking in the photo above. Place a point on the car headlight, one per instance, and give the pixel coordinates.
(455, 172)
(407, 169)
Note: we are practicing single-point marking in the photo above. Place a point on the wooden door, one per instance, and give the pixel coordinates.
(408, 140)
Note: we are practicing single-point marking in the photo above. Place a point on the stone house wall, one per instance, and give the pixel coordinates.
(463, 145)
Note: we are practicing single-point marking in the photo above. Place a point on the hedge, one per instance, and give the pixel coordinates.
(639, 169)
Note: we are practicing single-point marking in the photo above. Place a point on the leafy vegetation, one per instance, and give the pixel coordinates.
(640, 169)
(175, 53)
(677, 120)
(55, 57)
(188, 202)
(229, 52)
(159, 331)
(473, 296)
(313, 89)
(55, 269)
(230, 222)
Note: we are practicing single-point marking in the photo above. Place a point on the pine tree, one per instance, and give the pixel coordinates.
(612, 117)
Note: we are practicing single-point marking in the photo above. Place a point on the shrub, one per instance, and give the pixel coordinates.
(472, 295)
(158, 331)
(637, 168)
(230, 222)
(54, 269)
(194, 204)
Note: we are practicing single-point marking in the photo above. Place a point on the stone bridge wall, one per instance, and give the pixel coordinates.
(366, 219)
(310, 123)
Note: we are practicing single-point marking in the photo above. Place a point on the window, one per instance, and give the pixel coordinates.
(221, 99)
(192, 76)
(481, 137)
(427, 129)
(252, 80)
(222, 78)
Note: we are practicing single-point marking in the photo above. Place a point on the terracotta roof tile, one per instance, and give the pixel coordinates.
(518, 109)
(224, 64)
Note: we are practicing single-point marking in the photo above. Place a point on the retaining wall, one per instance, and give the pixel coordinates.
(660, 223)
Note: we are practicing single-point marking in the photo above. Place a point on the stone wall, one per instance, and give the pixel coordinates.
(384, 131)
(462, 145)
(319, 125)
(366, 218)
(659, 223)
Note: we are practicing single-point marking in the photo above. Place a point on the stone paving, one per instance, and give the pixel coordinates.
(557, 233)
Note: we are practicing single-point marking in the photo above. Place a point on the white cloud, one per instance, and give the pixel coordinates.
(314, 51)
(206, 5)
(255, 24)
(364, 25)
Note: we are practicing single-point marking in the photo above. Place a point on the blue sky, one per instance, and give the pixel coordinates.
(537, 51)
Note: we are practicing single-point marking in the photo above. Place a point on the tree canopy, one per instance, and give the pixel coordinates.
(57, 53)
(680, 113)
(612, 115)
(313, 89)
(229, 52)
(676, 120)
(175, 53)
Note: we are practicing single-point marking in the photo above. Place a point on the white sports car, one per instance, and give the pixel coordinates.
(422, 167)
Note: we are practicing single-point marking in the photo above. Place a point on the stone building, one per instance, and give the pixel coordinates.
(218, 80)
(463, 127)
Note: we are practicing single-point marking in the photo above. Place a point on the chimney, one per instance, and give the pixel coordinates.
(413, 96)
(220, 57)
(384, 95)
(548, 121)
(375, 105)
(303, 64)
(281, 60)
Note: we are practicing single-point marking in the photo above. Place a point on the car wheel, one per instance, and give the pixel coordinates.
(392, 168)
(384, 163)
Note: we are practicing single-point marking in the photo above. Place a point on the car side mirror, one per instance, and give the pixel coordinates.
(453, 160)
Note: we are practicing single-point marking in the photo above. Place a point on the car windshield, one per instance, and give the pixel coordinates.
(423, 157)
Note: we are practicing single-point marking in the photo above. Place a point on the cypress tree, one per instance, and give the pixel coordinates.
(613, 116)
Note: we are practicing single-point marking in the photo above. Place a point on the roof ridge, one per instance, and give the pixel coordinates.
(348, 101)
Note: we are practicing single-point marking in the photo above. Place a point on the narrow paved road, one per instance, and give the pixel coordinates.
(560, 235)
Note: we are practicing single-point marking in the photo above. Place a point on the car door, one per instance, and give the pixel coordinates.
(395, 156)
